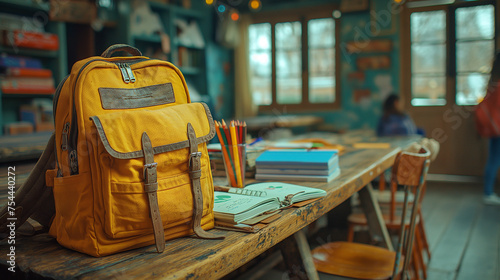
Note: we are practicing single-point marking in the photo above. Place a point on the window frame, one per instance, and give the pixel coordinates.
(303, 16)
(450, 50)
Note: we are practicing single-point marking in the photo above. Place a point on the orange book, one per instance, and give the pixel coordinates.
(23, 85)
(28, 91)
(28, 72)
(33, 40)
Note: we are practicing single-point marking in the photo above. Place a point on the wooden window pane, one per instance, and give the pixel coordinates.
(475, 22)
(259, 40)
(475, 56)
(288, 77)
(471, 88)
(428, 26)
(426, 58)
(288, 63)
(321, 40)
(428, 91)
(475, 48)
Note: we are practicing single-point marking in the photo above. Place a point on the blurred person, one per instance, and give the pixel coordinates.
(491, 102)
(394, 121)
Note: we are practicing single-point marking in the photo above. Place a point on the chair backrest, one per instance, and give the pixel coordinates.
(407, 171)
(410, 170)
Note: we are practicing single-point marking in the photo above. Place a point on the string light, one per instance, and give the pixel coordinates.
(235, 16)
(336, 14)
(255, 4)
(209, 2)
(221, 8)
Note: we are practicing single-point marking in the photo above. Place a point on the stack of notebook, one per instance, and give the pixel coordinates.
(298, 165)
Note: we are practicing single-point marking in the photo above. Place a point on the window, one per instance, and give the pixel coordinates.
(475, 31)
(462, 53)
(428, 58)
(292, 63)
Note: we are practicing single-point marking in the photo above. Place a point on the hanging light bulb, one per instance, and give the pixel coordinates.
(255, 5)
(221, 8)
(234, 15)
(336, 14)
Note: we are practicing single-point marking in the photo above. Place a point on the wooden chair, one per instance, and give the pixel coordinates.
(363, 261)
(393, 198)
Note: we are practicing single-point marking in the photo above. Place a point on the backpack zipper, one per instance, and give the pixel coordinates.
(125, 75)
(56, 96)
(73, 134)
(129, 72)
(64, 140)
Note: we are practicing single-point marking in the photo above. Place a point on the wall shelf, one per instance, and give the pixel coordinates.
(27, 95)
(148, 38)
(27, 5)
(190, 70)
(28, 52)
(56, 61)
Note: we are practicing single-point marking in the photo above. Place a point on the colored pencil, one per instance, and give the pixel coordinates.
(236, 157)
(227, 160)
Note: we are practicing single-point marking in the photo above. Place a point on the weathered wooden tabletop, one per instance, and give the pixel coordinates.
(191, 258)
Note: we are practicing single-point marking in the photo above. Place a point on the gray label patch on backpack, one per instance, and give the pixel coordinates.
(130, 98)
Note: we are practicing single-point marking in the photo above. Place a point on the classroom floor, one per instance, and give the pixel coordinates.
(464, 235)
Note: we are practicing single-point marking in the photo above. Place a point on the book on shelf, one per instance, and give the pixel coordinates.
(19, 61)
(298, 177)
(28, 85)
(31, 40)
(26, 72)
(239, 205)
(298, 159)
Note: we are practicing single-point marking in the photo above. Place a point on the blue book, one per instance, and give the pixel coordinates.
(298, 159)
(299, 177)
(19, 61)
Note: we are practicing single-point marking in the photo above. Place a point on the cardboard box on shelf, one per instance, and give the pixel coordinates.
(18, 128)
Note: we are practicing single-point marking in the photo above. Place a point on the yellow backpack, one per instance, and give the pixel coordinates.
(132, 167)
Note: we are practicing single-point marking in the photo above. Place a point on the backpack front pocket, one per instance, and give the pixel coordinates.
(121, 167)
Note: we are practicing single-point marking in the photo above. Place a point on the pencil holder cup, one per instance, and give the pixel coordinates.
(235, 165)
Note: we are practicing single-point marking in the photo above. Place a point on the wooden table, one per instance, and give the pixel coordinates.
(266, 122)
(190, 258)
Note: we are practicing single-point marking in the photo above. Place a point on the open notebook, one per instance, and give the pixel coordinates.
(238, 205)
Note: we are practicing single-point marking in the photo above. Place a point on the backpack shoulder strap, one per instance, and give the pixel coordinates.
(33, 199)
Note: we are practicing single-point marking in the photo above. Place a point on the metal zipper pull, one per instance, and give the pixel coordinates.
(125, 76)
(64, 141)
(129, 72)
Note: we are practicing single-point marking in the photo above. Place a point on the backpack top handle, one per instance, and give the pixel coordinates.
(121, 47)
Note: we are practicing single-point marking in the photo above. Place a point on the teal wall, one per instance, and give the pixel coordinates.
(219, 66)
(355, 26)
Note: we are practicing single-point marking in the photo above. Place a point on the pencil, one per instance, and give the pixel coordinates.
(240, 126)
(244, 132)
(236, 158)
(226, 158)
(228, 138)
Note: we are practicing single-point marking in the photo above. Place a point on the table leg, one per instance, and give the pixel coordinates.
(297, 256)
(376, 223)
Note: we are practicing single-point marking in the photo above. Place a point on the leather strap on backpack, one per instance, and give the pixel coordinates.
(151, 187)
(195, 174)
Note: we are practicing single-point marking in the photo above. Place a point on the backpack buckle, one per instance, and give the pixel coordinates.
(195, 155)
(150, 165)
